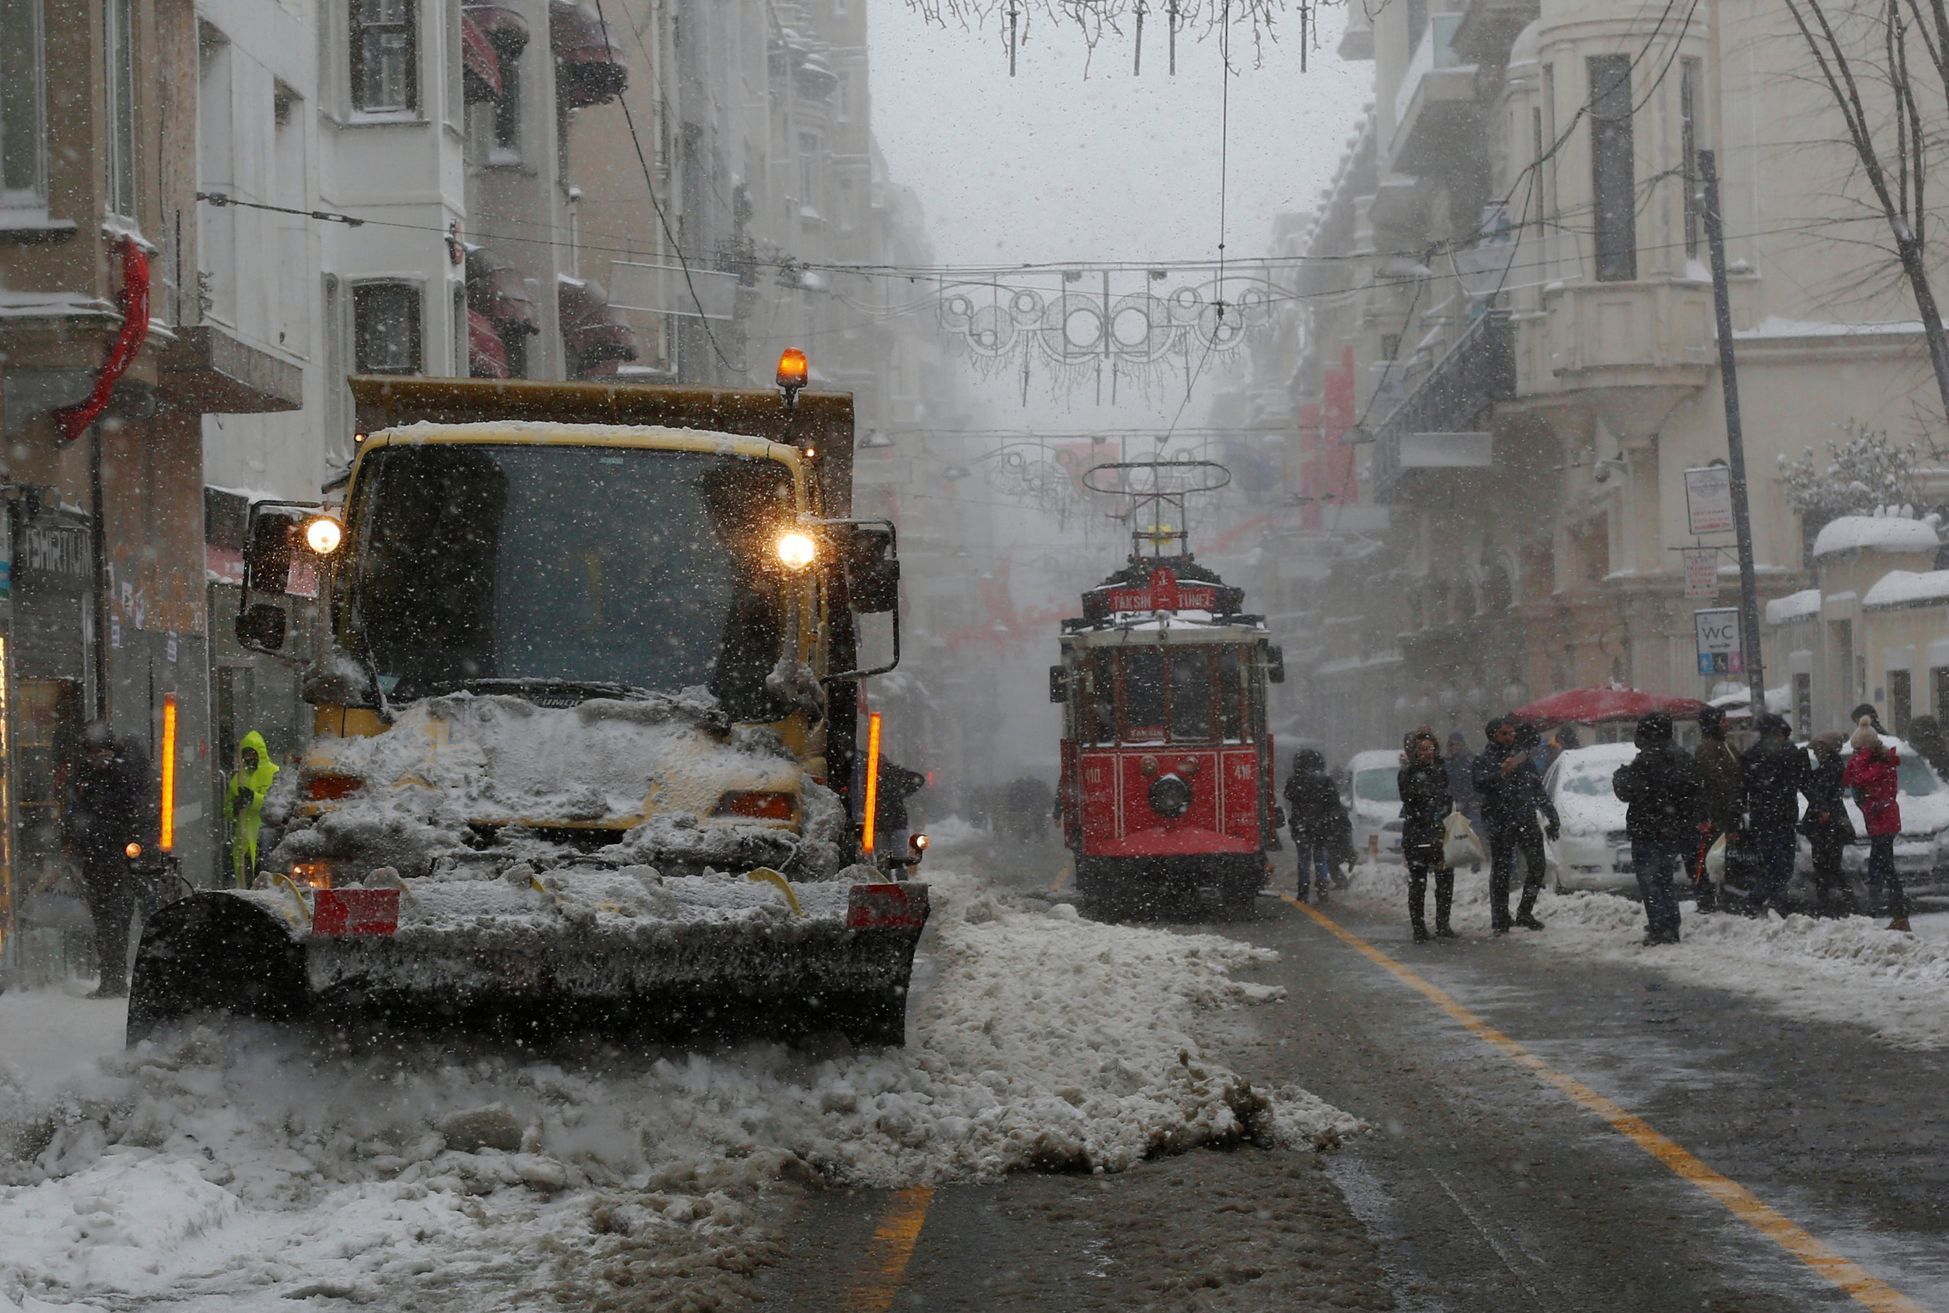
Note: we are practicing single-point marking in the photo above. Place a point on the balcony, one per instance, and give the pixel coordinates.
(1436, 114)
(1635, 348)
(1488, 27)
(1441, 423)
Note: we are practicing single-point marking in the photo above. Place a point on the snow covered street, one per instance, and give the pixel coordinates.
(243, 1167)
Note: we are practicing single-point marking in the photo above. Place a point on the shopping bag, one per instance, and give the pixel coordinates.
(1459, 844)
(1715, 859)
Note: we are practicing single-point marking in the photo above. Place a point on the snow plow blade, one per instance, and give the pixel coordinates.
(704, 959)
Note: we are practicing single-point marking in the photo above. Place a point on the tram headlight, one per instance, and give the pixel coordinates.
(323, 534)
(1170, 796)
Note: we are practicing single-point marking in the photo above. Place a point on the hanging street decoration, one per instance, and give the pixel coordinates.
(1075, 335)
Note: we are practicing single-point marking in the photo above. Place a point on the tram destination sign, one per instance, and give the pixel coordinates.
(1163, 592)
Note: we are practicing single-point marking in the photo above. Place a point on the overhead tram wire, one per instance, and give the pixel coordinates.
(1224, 178)
(649, 185)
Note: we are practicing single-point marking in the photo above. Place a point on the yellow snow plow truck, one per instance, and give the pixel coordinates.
(584, 663)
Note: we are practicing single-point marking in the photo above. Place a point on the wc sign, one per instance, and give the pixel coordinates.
(1718, 635)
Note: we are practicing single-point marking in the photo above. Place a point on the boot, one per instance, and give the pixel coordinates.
(1900, 923)
(1527, 920)
(1421, 935)
(1443, 932)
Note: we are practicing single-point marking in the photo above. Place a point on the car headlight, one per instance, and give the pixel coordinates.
(1170, 796)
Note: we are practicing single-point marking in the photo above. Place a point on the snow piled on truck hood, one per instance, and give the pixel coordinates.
(654, 766)
(226, 1168)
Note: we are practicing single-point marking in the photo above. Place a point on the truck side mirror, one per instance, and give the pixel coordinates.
(261, 628)
(1275, 663)
(872, 571)
(267, 550)
(1058, 685)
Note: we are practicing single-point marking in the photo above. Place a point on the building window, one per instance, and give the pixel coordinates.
(23, 147)
(1803, 704)
(385, 55)
(386, 328)
(507, 116)
(1901, 701)
(1690, 89)
(118, 56)
(1939, 691)
(1612, 168)
(809, 170)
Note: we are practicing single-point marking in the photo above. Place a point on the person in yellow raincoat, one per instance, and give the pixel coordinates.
(245, 801)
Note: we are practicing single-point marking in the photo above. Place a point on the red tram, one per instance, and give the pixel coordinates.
(1167, 765)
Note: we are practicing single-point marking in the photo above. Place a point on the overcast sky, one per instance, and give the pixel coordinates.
(1053, 164)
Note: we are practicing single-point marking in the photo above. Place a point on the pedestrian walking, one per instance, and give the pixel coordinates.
(107, 808)
(249, 783)
(1511, 790)
(1318, 820)
(1827, 826)
(1461, 785)
(1718, 767)
(1425, 801)
(1772, 776)
(1925, 736)
(1873, 772)
(1663, 795)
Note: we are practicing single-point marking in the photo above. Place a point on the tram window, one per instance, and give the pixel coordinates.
(1231, 695)
(1098, 716)
(1190, 696)
(1143, 695)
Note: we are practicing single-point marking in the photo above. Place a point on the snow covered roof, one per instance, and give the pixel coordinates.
(1909, 588)
(1874, 533)
(1794, 606)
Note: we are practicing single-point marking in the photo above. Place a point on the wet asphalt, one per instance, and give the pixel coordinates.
(1480, 1185)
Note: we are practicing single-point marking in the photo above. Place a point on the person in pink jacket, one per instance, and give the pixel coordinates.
(1872, 773)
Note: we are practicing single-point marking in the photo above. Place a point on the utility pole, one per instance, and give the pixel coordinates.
(1742, 520)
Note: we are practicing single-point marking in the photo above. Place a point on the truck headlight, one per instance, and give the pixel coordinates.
(796, 550)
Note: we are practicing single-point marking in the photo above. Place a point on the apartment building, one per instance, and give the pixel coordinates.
(1523, 297)
(108, 367)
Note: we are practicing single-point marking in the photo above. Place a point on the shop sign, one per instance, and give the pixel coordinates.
(1701, 573)
(1708, 499)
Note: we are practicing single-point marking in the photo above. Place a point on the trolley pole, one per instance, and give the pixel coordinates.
(1742, 520)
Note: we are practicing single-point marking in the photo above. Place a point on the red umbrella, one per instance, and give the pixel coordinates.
(1591, 706)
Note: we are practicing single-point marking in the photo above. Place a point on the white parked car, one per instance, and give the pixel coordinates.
(1592, 851)
(1373, 789)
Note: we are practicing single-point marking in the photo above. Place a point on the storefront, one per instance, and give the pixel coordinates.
(46, 689)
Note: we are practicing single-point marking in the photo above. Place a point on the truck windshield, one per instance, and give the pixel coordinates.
(577, 565)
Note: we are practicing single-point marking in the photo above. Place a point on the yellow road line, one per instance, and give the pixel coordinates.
(1863, 1287)
(891, 1250)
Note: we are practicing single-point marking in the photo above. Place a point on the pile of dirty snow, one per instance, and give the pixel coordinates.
(1852, 970)
(225, 1167)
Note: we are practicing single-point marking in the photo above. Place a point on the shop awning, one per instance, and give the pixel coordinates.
(480, 64)
(596, 334)
(496, 289)
(587, 68)
(504, 29)
(487, 355)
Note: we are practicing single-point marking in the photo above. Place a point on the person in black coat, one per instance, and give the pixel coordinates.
(1664, 796)
(1827, 826)
(1461, 786)
(1425, 801)
(1772, 776)
(1318, 820)
(1511, 794)
(109, 805)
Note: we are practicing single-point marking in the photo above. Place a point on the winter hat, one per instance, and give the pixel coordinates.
(1864, 738)
(1772, 726)
(1711, 718)
(1654, 730)
(1827, 746)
